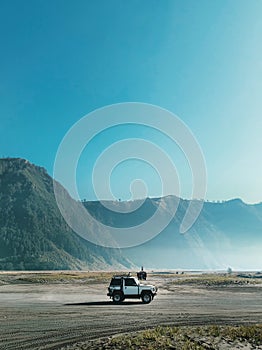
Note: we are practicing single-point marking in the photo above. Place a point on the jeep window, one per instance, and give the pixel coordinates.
(115, 282)
(130, 282)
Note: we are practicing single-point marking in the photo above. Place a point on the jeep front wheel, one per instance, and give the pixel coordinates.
(117, 297)
(146, 298)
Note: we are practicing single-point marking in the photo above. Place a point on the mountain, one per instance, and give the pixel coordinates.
(33, 234)
(225, 234)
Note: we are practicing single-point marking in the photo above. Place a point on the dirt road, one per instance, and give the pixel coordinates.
(51, 316)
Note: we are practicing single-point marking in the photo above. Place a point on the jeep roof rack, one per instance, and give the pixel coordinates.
(123, 275)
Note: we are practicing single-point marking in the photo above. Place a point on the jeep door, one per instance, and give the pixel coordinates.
(130, 287)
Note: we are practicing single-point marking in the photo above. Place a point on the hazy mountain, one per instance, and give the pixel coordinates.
(225, 234)
(33, 234)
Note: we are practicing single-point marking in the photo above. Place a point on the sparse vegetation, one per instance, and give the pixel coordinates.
(186, 338)
(203, 280)
(56, 277)
(214, 280)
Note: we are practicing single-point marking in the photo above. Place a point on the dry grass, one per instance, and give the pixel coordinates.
(171, 279)
(187, 338)
(57, 277)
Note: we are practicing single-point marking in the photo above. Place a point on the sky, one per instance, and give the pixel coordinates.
(201, 60)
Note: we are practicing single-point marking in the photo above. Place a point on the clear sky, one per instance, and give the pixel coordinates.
(202, 60)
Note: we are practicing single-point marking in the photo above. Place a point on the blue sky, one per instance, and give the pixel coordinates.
(202, 60)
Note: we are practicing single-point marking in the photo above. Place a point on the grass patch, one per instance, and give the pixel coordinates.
(187, 338)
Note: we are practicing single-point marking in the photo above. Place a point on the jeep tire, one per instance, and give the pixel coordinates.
(117, 297)
(146, 298)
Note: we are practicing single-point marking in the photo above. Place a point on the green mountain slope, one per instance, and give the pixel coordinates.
(33, 234)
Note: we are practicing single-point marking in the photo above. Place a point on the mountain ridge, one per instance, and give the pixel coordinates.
(226, 233)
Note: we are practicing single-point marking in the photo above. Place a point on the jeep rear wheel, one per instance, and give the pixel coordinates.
(117, 297)
(146, 298)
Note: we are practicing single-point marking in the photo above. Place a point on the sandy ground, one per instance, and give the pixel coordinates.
(52, 316)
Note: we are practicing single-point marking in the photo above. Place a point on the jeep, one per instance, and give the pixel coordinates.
(128, 287)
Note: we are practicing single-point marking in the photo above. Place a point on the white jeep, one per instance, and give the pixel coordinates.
(122, 287)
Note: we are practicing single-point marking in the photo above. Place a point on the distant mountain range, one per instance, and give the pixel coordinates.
(225, 234)
(33, 234)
